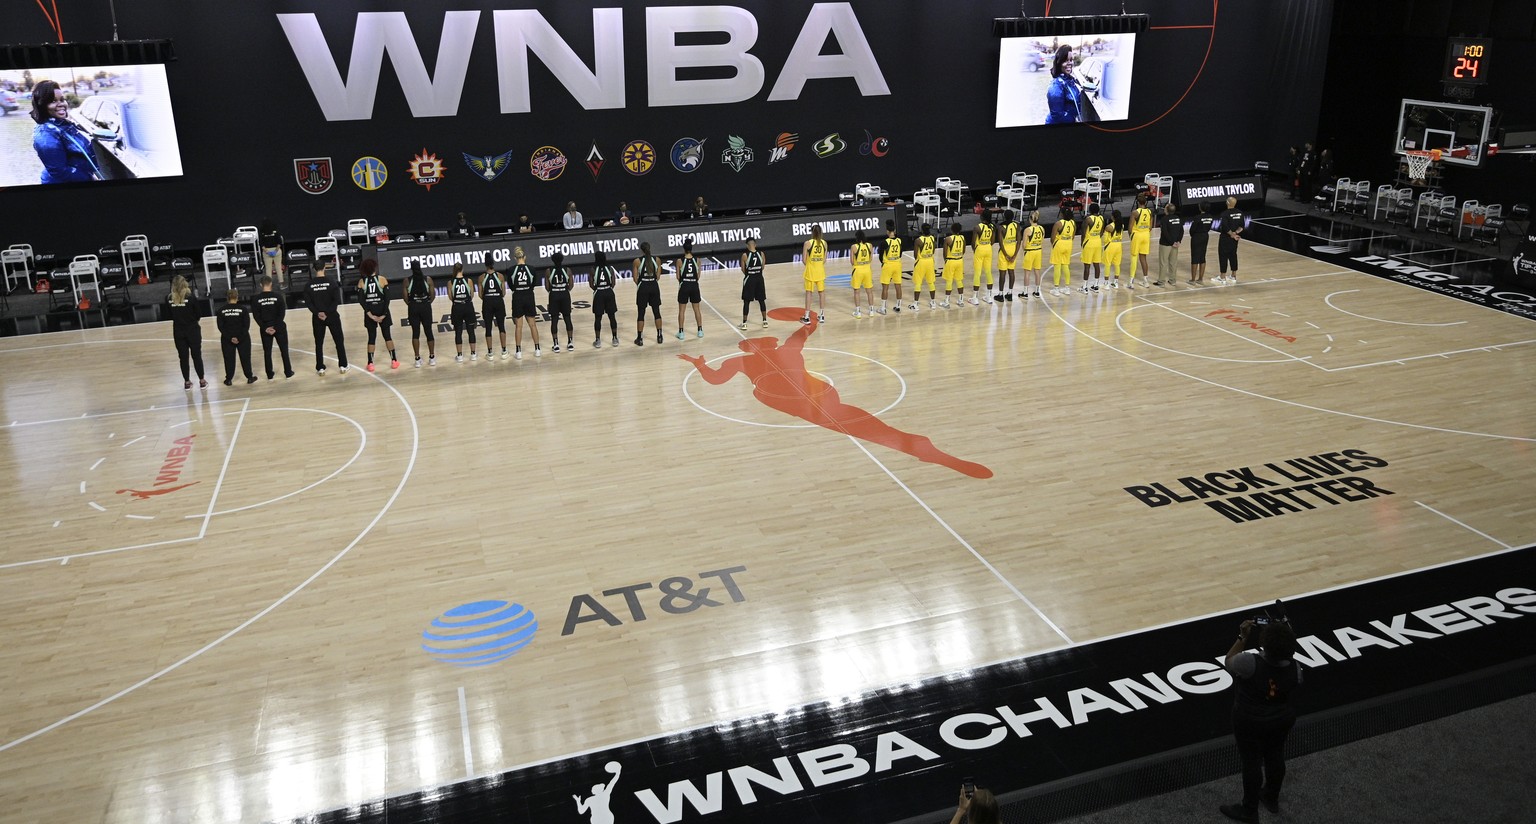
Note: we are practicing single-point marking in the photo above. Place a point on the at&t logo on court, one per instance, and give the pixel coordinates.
(479, 633)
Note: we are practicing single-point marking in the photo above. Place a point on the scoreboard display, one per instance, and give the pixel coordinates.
(1466, 60)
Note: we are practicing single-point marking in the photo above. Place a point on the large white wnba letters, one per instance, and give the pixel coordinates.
(519, 32)
(663, 56)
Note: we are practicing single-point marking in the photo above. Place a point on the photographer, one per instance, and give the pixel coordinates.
(1262, 713)
(977, 806)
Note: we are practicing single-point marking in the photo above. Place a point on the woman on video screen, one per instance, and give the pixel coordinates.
(63, 147)
(1063, 96)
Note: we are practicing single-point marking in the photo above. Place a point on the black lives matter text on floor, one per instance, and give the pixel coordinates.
(1252, 493)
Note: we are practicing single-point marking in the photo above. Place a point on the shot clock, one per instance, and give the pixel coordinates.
(1466, 60)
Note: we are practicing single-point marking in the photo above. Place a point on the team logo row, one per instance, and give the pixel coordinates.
(315, 175)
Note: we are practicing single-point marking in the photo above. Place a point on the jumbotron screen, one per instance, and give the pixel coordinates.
(1051, 80)
(86, 123)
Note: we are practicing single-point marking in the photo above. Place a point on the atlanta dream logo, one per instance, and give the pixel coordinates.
(313, 174)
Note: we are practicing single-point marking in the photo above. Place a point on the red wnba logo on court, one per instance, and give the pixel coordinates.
(1240, 317)
(170, 472)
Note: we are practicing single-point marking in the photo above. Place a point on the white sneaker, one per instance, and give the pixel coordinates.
(1083, 289)
(344, 369)
(933, 304)
(418, 363)
(858, 314)
(881, 310)
(986, 299)
(537, 352)
(474, 356)
(913, 307)
(821, 318)
(743, 325)
(944, 304)
(975, 302)
(432, 361)
(1130, 284)
(503, 355)
(518, 354)
(458, 358)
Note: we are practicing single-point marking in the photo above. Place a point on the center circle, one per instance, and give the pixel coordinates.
(702, 408)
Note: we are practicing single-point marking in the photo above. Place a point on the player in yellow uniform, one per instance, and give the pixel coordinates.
(1007, 255)
(1114, 250)
(981, 262)
(954, 265)
(1093, 249)
(922, 270)
(862, 253)
(814, 253)
(1141, 239)
(1061, 252)
(1034, 244)
(890, 265)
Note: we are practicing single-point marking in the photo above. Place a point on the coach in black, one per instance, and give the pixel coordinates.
(323, 296)
(235, 337)
(270, 311)
(1170, 233)
(1226, 248)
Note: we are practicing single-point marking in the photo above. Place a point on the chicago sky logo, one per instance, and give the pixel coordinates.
(547, 163)
(737, 153)
(313, 174)
(595, 161)
(427, 169)
(488, 167)
(877, 146)
(830, 145)
(781, 147)
(369, 173)
(638, 157)
(688, 154)
(479, 633)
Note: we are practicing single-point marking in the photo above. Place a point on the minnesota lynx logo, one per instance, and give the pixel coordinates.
(737, 153)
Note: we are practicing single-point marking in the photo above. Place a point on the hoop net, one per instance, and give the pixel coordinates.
(1418, 162)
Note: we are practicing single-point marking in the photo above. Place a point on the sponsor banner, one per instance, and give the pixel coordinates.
(894, 753)
(1217, 189)
(724, 236)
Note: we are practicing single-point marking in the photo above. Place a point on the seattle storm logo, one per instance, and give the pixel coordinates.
(737, 154)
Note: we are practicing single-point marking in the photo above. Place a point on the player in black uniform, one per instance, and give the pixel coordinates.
(419, 291)
(558, 285)
(1199, 238)
(648, 291)
(269, 311)
(525, 309)
(374, 289)
(323, 295)
(235, 337)
(603, 300)
(186, 331)
(752, 285)
(493, 307)
(688, 289)
(1232, 221)
(461, 293)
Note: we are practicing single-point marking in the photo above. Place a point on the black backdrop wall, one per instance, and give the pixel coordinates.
(1216, 87)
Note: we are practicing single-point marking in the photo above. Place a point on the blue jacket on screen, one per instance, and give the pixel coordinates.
(1062, 98)
(65, 151)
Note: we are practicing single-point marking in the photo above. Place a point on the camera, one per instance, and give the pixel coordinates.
(1271, 615)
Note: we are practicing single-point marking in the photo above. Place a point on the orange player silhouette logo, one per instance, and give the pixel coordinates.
(142, 495)
(781, 381)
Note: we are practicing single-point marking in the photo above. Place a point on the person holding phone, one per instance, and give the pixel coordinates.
(977, 805)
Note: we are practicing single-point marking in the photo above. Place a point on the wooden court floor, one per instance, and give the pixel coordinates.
(247, 643)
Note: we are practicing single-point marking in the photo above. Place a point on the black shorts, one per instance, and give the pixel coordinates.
(753, 288)
(649, 295)
(463, 315)
(493, 309)
(1197, 244)
(560, 304)
(604, 303)
(523, 305)
(369, 323)
(688, 292)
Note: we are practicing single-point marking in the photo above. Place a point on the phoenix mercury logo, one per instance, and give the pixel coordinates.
(781, 381)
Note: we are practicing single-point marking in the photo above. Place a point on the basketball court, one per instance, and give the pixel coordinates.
(265, 602)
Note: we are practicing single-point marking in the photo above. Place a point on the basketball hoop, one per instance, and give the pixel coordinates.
(1418, 162)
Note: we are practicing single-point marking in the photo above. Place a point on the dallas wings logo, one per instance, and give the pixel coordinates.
(488, 167)
(737, 154)
(781, 147)
(688, 154)
(313, 174)
(427, 169)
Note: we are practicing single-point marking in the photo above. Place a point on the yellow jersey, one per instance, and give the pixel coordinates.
(924, 248)
(861, 252)
(1095, 225)
(818, 253)
(954, 247)
(983, 234)
(1112, 235)
(1034, 238)
(1068, 229)
(1010, 237)
(892, 250)
(1142, 220)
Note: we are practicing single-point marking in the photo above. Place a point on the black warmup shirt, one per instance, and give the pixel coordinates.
(270, 309)
(234, 321)
(1171, 230)
(322, 296)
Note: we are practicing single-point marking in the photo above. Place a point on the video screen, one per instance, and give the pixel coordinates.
(1459, 132)
(86, 123)
(1046, 81)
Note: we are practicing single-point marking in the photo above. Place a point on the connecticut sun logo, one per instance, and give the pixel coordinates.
(427, 169)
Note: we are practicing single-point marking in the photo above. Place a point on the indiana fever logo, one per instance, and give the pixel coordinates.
(780, 381)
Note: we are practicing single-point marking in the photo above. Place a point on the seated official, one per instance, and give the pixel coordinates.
(524, 225)
(622, 217)
(463, 228)
(572, 218)
(700, 210)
